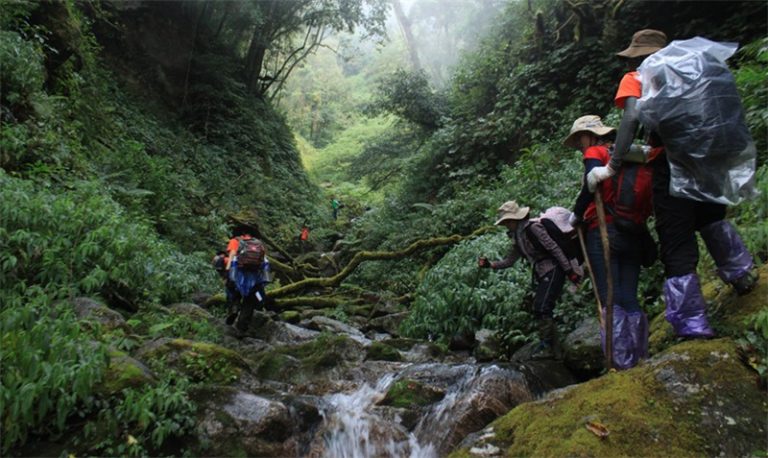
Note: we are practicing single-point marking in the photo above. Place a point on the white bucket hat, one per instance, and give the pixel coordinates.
(510, 210)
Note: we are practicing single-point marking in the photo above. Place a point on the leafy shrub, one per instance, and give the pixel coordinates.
(141, 420)
(81, 240)
(457, 297)
(50, 366)
(754, 343)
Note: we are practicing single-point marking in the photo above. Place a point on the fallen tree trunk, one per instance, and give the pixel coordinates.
(372, 256)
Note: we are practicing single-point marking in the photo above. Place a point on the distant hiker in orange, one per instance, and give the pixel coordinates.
(690, 192)
(304, 237)
(249, 271)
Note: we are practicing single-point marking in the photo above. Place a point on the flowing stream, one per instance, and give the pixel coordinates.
(356, 428)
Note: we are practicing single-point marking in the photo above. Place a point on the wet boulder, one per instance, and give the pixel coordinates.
(382, 352)
(488, 347)
(389, 323)
(238, 423)
(302, 362)
(323, 323)
(582, 351)
(480, 398)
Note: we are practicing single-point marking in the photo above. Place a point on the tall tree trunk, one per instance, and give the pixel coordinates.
(260, 40)
(405, 25)
(192, 54)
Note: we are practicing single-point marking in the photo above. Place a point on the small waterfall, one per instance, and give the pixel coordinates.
(355, 430)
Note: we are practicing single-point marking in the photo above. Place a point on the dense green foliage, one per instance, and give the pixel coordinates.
(113, 187)
(129, 137)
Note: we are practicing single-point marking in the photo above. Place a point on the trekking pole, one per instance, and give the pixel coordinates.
(580, 231)
(608, 280)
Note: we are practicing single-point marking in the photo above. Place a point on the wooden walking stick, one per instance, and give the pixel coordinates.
(608, 280)
(580, 231)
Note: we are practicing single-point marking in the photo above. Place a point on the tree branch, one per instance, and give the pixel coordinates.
(373, 256)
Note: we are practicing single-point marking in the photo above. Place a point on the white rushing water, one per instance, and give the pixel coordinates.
(357, 431)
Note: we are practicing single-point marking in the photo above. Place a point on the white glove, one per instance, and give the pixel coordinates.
(597, 175)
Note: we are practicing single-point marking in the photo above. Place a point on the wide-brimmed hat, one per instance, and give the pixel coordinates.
(588, 123)
(644, 42)
(510, 210)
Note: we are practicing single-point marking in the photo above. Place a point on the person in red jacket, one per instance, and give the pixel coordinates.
(630, 324)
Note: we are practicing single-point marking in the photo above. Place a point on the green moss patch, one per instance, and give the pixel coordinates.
(200, 361)
(379, 351)
(123, 372)
(325, 352)
(410, 393)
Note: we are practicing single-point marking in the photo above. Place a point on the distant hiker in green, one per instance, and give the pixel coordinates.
(335, 206)
(541, 241)
(705, 160)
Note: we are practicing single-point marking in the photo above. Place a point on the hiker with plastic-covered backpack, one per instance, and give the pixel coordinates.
(249, 273)
(547, 243)
(703, 159)
(627, 205)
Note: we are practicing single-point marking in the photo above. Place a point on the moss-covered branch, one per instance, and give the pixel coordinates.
(372, 256)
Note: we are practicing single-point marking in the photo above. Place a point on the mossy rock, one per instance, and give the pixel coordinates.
(217, 300)
(408, 393)
(725, 309)
(379, 351)
(290, 316)
(296, 363)
(200, 361)
(123, 372)
(695, 399)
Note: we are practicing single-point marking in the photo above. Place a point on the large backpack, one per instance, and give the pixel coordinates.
(250, 254)
(568, 242)
(633, 193)
(691, 102)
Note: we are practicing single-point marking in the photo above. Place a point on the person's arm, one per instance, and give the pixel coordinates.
(585, 197)
(630, 121)
(508, 261)
(541, 234)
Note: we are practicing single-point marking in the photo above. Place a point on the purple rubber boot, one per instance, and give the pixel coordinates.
(630, 338)
(638, 322)
(733, 260)
(686, 309)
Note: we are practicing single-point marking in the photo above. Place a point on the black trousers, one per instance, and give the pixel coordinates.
(548, 290)
(677, 220)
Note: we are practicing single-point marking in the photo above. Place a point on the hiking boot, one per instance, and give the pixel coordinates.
(231, 316)
(746, 283)
(548, 347)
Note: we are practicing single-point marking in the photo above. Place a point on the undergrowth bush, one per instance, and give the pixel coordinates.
(141, 420)
(49, 366)
(81, 240)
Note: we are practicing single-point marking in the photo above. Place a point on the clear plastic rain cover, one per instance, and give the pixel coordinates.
(690, 99)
